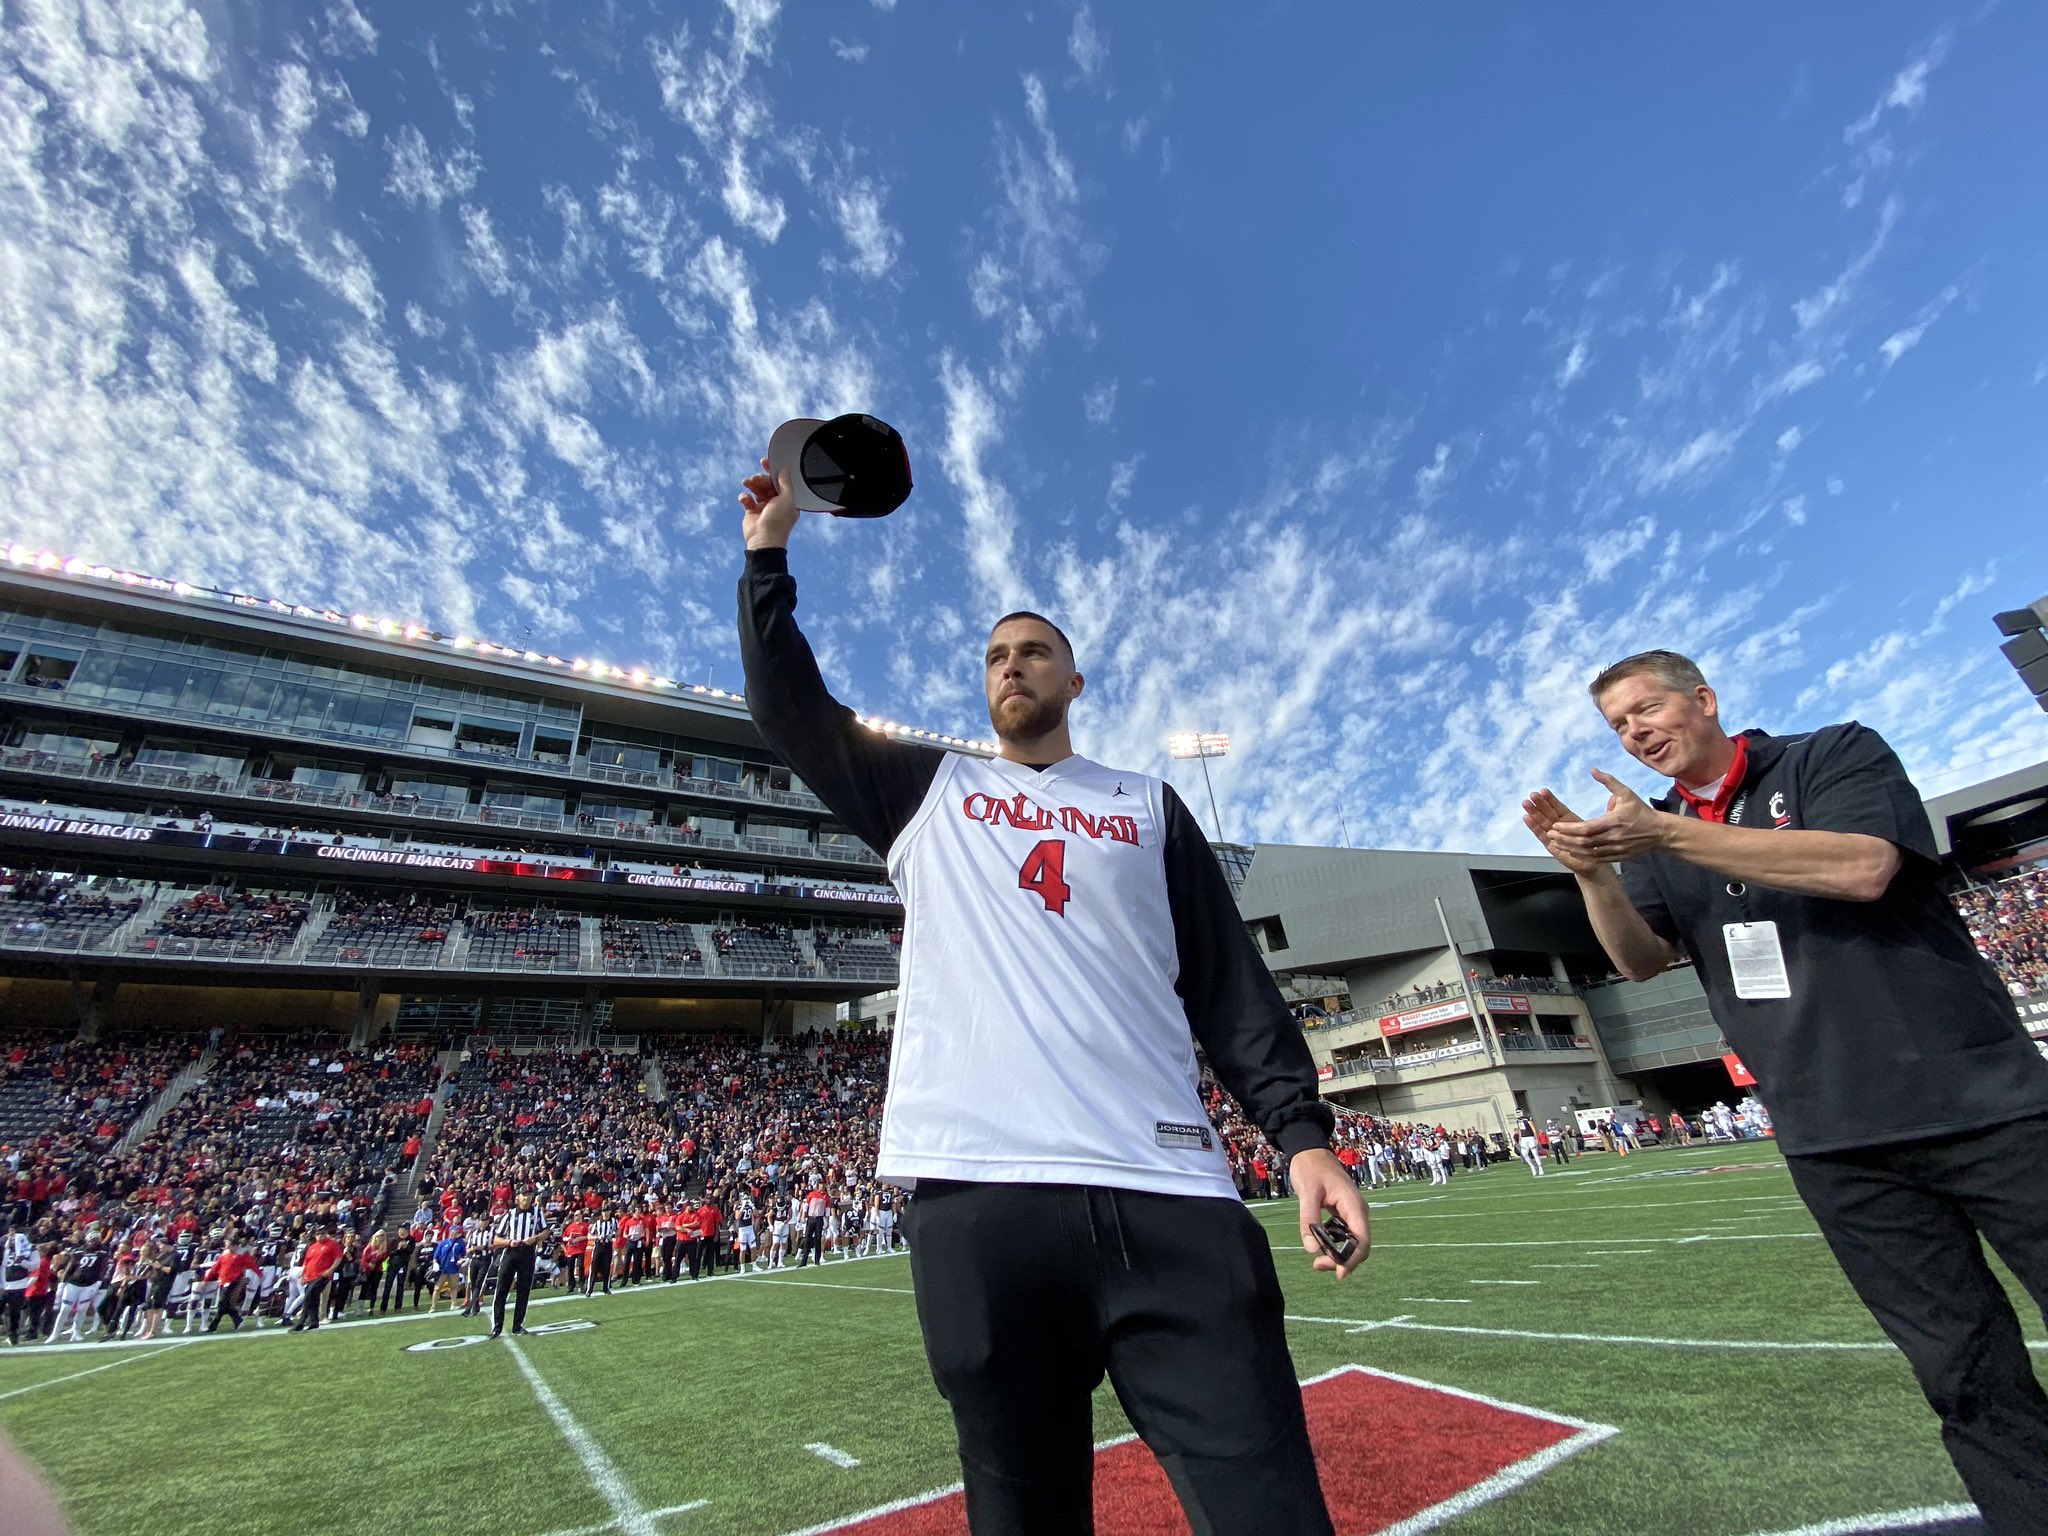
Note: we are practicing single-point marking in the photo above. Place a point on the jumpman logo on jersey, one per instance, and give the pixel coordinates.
(1119, 788)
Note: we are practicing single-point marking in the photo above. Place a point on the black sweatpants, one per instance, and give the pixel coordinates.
(1175, 1298)
(1904, 1222)
(600, 1266)
(515, 1273)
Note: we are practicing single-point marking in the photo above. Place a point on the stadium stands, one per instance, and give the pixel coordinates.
(2009, 920)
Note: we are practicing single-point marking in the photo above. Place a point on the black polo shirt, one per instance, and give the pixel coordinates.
(1896, 1027)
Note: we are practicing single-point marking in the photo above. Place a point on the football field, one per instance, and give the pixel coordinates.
(1660, 1344)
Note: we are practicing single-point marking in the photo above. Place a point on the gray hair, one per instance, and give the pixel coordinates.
(1678, 673)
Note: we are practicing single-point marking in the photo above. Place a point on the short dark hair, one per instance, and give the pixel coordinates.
(1026, 613)
(1679, 673)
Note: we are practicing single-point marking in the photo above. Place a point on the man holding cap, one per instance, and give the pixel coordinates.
(1800, 875)
(1068, 938)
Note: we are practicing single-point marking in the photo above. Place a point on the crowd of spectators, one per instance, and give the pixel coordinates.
(2009, 921)
(236, 916)
(366, 914)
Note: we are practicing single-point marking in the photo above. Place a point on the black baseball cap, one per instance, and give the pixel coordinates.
(850, 466)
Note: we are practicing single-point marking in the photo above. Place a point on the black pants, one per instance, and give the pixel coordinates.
(669, 1256)
(574, 1267)
(476, 1271)
(695, 1251)
(17, 1305)
(813, 1244)
(636, 1263)
(1175, 1298)
(394, 1280)
(515, 1271)
(600, 1266)
(229, 1304)
(1904, 1222)
(309, 1304)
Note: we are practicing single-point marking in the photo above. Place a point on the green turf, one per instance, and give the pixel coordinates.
(713, 1391)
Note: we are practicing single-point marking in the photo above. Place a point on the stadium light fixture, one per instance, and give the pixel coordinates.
(1202, 745)
(2027, 647)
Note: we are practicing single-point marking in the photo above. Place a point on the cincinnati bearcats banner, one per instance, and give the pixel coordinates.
(103, 832)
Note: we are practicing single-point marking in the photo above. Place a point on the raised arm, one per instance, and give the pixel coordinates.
(871, 783)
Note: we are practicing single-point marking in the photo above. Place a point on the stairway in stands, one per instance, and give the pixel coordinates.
(406, 1199)
(166, 1101)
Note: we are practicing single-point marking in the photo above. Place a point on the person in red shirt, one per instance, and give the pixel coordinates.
(575, 1250)
(322, 1255)
(230, 1271)
(666, 1231)
(633, 1234)
(708, 1218)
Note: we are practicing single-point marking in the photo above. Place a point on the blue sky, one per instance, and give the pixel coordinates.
(1353, 379)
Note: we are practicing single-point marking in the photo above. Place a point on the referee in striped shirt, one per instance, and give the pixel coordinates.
(602, 1232)
(515, 1235)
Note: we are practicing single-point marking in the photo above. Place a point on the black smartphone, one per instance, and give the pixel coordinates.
(1336, 1239)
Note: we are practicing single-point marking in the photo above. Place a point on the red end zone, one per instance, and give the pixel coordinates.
(1396, 1455)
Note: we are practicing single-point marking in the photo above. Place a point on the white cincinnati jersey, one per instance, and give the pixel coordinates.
(1038, 1034)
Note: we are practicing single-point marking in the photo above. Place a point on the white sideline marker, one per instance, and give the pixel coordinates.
(1442, 1301)
(833, 1454)
(629, 1516)
(57, 1381)
(1515, 1282)
(1893, 1520)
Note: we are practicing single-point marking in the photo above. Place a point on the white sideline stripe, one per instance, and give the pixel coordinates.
(57, 1381)
(611, 1525)
(1850, 1346)
(1442, 1301)
(629, 1515)
(1565, 1266)
(833, 1285)
(833, 1454)
(1897, 1519)
(599, 1299)
(1511, 1282)
(1616, 1253)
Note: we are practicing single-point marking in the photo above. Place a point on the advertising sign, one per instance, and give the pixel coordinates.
(1422, 1018)
(409, 858)
(1497, 1002)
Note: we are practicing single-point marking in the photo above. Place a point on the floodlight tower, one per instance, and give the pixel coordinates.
(1202, 745)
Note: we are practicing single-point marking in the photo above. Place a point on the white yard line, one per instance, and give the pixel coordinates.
(604, 1526)
(833, 1454)
(1361, 1324)
(1897, 1519)
(1511, 1282)
(1567, 1266)
(629, 1516)
(1442, 1301)
(76, 1375)
(833, 1285)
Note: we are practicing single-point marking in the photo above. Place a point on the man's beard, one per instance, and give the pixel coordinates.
(1043, 717)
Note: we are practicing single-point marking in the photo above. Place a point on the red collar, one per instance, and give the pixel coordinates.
(1716, 809)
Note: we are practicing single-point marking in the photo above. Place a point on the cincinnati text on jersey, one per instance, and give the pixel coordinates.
(1025, 813)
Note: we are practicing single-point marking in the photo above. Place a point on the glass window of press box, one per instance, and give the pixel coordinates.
(207, 679)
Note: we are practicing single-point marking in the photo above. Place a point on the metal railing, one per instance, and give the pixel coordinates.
(743, 792)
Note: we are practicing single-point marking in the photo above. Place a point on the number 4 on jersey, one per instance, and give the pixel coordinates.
(1044, 873)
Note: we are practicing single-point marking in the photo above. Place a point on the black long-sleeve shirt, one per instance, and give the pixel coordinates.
(875, 785)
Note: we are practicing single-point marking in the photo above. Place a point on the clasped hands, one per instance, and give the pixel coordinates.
(1628, 827)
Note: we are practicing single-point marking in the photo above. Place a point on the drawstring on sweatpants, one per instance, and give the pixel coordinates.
(1116, 1220)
